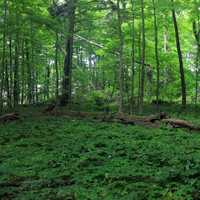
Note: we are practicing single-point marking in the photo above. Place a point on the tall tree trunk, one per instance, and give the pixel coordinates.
(196, 30)
(36, 87)
(156, 55)
(32, 64)
(121, 67)
(180, 57)
(133, 58)
(139, 67)
(29, 74)
(143, 57)
(16, 73)
(22, 74)
(16, 88)
(11, 69)
(7, 84)
(67, 80)
(2, 77)
(197, 72)
(56, 66)
(47, 79)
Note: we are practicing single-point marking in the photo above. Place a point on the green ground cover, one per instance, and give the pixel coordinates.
(61, 158)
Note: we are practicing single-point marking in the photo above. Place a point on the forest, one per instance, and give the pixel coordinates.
(99, 99)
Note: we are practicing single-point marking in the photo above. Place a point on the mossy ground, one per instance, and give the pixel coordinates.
(60, 158)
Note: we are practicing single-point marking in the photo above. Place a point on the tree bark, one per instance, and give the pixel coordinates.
(156, 55)
(67, 79)
(133, 59)
(56, 66)
(2, 78)
(180, 57)
(11, 69)
(139, 67)
(29, 73)
(196, 30)
(121, 67)
(142, 57)
(16, 88)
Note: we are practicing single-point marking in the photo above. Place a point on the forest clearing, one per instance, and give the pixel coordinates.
(99, 99)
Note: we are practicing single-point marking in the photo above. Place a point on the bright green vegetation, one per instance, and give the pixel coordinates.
(110, 52)
(136, 57)
(62, 158)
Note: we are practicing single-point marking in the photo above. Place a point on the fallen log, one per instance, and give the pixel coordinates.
(154, 121)
(178, 123)
(9, 117)
(134, 120)
(157, 117)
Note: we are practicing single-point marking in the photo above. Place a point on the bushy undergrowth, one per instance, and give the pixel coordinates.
(60, 158)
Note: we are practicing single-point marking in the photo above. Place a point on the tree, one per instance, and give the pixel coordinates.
(67, 79)
(196, 31)
(180, 57)
(132, 57)
(142, 56)
(121, 67)
(156, 54)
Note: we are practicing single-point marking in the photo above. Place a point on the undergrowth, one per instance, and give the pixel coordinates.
(67, 159)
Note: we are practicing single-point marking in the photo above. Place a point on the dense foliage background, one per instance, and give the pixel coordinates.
(124, 52)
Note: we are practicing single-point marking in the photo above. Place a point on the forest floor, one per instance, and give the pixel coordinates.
(58, 158)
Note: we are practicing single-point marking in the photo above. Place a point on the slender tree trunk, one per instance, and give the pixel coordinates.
(56, 66)
(7, 85)
(16, 89)
(11, 70)
(180, 57)
(139, 67)
(143, 57)
(196, 85)
(121, 67)
(133, 59)
(156, 55)
(29, 74)
(36, 86)
(2, 78)
(5, 60)
(196, 30)
(22, 74)
(32, 63)
(197, 72)
(16, 72)
(67, 80)
(47, 80)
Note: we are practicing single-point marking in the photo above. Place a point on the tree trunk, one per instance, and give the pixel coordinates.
(67, 80)
(133, 59)
(139, 67)
(143, 57)
(156, 55)
(47, 80)
(32, 64)
(2, 78)
(121, 67)
(196, 30)
(180, 57)
(16, 88)
(23, 74)
(11, 69)
(56, 66)
(16, 73)
(29, 74)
